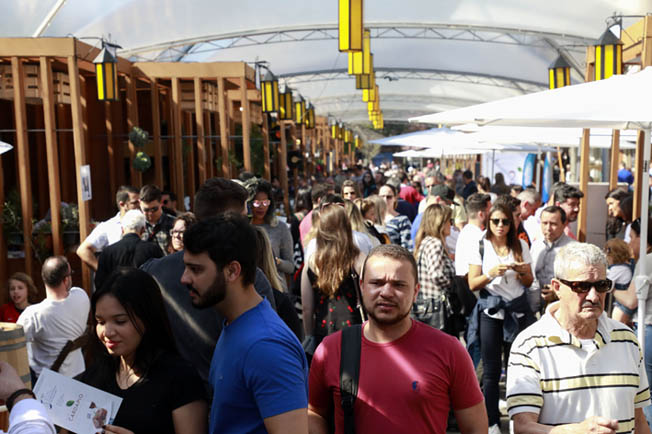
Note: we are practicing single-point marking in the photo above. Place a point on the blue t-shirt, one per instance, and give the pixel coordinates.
(415, 226)
(259, 370)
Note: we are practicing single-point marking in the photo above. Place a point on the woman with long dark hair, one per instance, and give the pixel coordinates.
(501, 270)
(137, 360)
(263, 214)
(619, 213)
(398, 226)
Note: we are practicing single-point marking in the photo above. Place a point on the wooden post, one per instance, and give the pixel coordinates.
(304, 148)
(110, 148)
(190, 159)
(177, 159)
(201, 140)
(584, 183)
(80, 159)
(615, 159)
(132, 121)
(156, 134)
(3, 243)
(210, 153)
(22, 150)
(224, 138)
(246, 125)
(265, 131)
(638, 175)
(282, 169)
(52, 152)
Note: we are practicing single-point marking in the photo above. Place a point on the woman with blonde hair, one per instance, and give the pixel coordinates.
(436, 270)
(358, 223)
(328, 282)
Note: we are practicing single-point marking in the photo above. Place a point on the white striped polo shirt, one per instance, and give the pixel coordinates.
(552, 374)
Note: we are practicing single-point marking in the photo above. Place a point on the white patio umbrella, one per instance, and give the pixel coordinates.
(5, 147)
(619, 102)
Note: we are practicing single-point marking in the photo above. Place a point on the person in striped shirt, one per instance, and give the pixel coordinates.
(576, 370)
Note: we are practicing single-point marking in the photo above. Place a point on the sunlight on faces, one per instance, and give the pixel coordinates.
(207, 287)
(258, 208)
(348, 193)
(114, 328)
(588, 306)
(387, 194)
(177, 235)
(17, 292)
(571, 207)
(551, 226)
(389, 289)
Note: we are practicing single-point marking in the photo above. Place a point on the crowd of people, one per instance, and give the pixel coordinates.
(386, 301)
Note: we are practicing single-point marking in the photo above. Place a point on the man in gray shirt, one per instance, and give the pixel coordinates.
(544, 250)
(196, 330)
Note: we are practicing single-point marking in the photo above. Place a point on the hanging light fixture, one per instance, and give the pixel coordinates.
(286, 112)
(106, 68)
(608, 56)
(269, 90)
(360, 61)
(334, 128)
(559, 73)
(300, 111)
(340, 131)
(310, 116)
(350, 25)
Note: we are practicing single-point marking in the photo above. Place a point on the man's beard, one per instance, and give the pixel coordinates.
(213, 295)
(386, 321)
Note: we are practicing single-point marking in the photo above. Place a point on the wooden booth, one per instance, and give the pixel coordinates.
(200, 118)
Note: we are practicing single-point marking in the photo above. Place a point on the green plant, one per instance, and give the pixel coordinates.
(142, 162)
(138, 137)
(12, 214)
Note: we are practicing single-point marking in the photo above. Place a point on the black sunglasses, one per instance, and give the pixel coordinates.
(505, 222)
(601, 286)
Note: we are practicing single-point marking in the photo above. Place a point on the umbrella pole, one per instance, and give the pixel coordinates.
(642, 281)
(539, 183)
(493, 165)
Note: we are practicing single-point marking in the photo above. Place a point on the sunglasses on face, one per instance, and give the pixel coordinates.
(152, 209)
(259, 203)
(600, 286)
(496, 222)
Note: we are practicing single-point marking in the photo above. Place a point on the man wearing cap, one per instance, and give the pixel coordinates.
(576, 370)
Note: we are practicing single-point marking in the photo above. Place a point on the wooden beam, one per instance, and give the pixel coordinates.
(194, 69)
(614, 160)
(132, 121)
(224, 138)
(282, 168)
(253, 95)
(36, 47)
(111, 149)
(209, 121)
(177, 158)
(3, 242)
(246, 126)
(22, 150)
(80, 159)
(52, 152)
(201, 140)
(156, 134)
(267, 172)
(190, 157)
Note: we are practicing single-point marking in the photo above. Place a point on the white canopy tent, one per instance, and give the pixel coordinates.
(619, 102)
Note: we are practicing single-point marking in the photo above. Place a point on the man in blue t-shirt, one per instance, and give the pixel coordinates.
(259, 371)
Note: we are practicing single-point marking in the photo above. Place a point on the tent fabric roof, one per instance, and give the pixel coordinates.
(429, 56)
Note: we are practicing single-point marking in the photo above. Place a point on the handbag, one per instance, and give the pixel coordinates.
(435, 311)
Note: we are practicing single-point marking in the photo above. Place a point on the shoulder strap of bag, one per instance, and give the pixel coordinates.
(350, 373)
(482, 248)
(358, 293)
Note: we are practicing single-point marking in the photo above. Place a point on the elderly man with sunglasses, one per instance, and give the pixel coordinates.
(576, 370)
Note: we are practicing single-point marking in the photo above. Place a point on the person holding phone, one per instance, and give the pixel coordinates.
(501, 270)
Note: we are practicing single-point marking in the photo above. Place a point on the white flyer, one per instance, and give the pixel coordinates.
(73, 405)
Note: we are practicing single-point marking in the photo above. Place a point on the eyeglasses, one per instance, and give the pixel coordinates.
(259, 203)
(601, 286)
(152, 209)
(496, 222)
(176, 234)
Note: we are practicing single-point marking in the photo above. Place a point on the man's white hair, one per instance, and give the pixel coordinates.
(529, 196)
(576, 255)
(132, 221)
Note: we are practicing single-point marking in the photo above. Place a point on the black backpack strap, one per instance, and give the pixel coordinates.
(482, 248)
(350, 373)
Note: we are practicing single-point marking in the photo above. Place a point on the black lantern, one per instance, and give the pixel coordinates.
(269, 91)
(559, 73)
(608, 56)
(106, 68)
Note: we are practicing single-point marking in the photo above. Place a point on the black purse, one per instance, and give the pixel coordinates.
(435, 311)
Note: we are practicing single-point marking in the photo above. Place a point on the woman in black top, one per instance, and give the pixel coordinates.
(138, 360)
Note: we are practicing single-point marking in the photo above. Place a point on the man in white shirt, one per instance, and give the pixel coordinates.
(60, 318)
(110, 231)
(477, 207)
(543, 252)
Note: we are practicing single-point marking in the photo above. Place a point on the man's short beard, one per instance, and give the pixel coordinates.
(387, 321)
(213, 295)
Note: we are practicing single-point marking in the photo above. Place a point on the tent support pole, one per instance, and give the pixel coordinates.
(642, 280)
